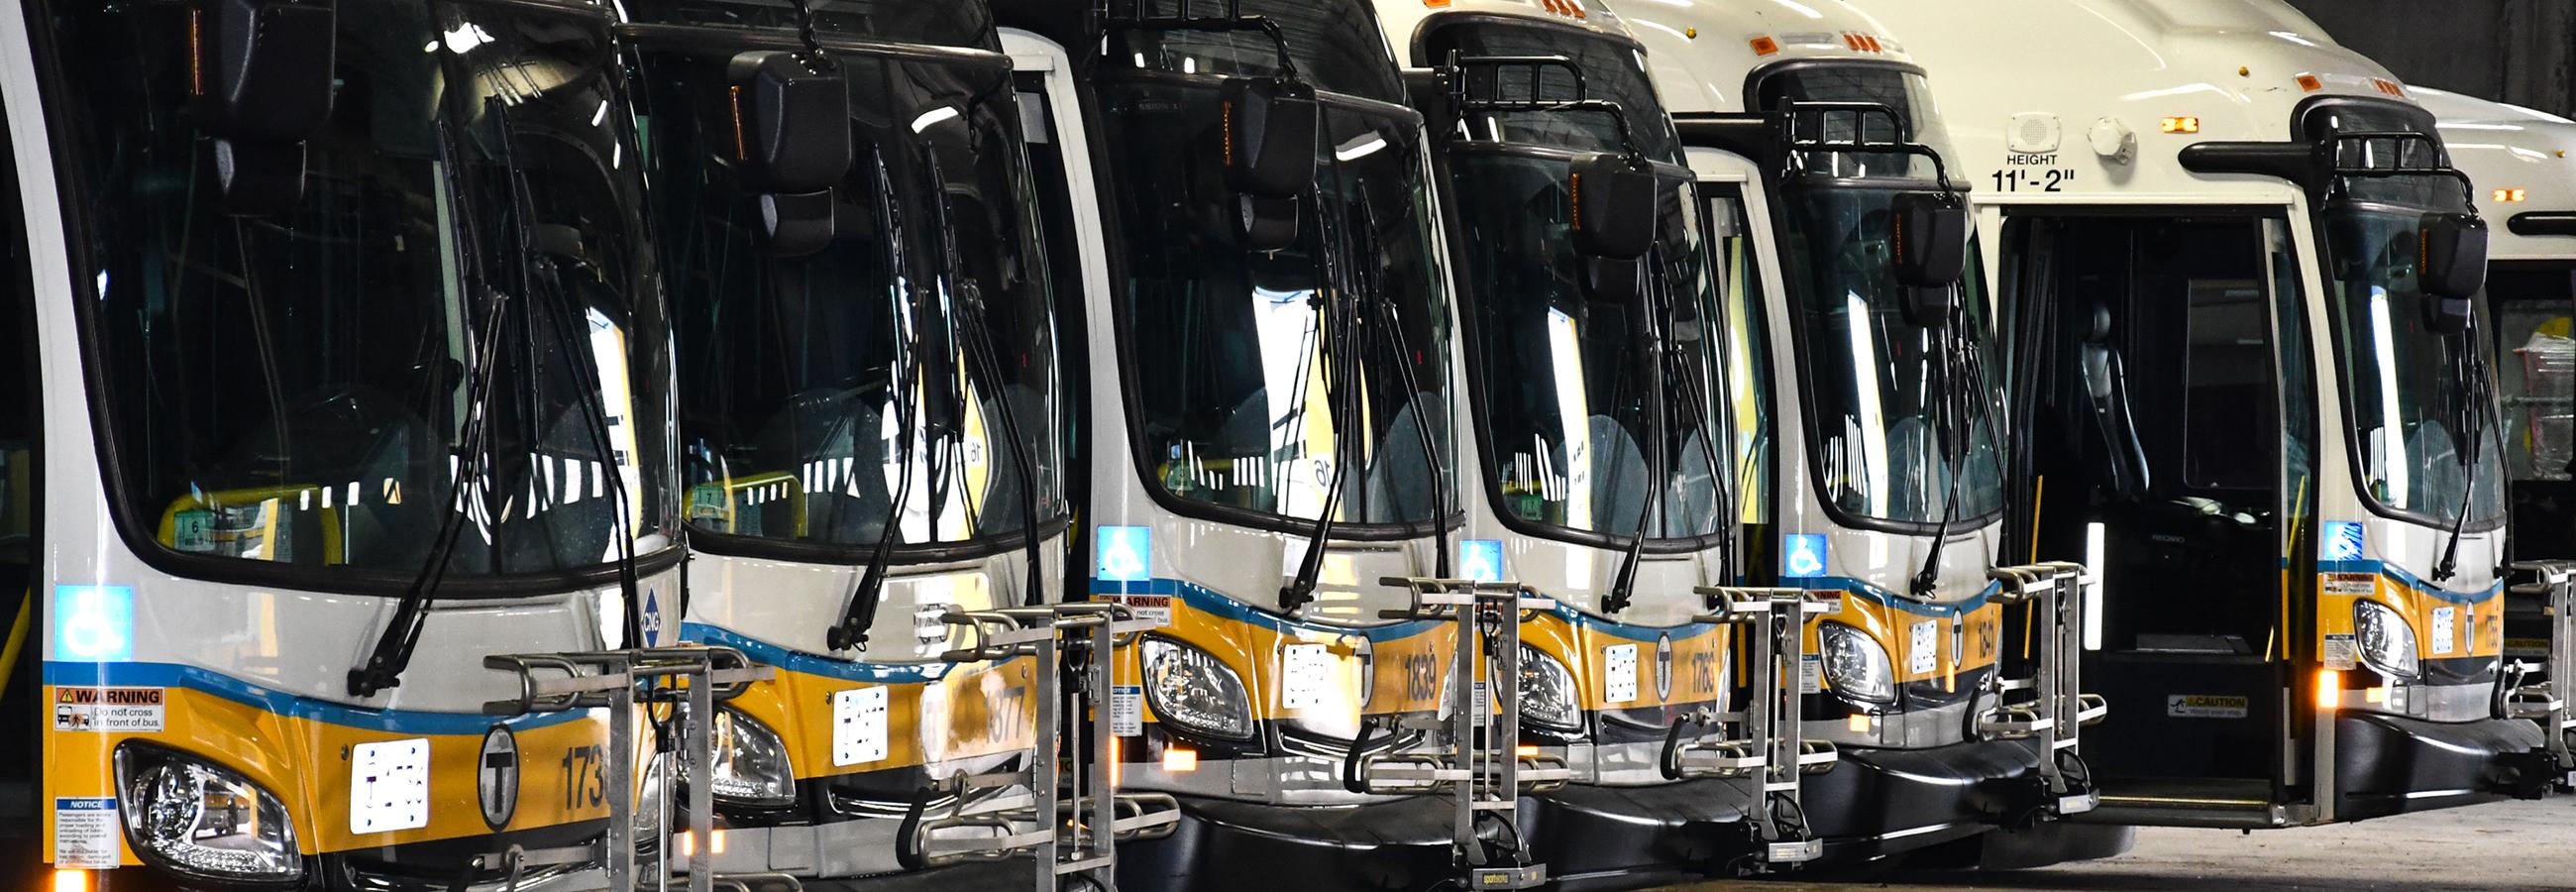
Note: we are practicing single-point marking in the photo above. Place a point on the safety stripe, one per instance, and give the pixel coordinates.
(1877, 595)
(396, 721)
(1205, 600)
(2398, 575)
(803, 663)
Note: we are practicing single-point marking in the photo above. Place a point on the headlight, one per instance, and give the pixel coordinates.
(203, 820)
(1546, 691)
(2386, 641)
(1189, 688)
(1855, 664)
(750, 764)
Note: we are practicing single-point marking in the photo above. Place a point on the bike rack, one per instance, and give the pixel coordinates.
(2057, 708)
(699, 677)
(1077, 817)
(1767, 738)
(2548, 702)
(1480, 763)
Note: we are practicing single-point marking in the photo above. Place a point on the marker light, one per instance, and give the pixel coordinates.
(2329, 689)
(1859, 722)
(1525, 751)
(71, 881)
(2181, 124)
(1180, 760)
(2509, 196)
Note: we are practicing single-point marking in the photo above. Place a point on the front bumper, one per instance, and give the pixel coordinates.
(1603, 837)
(1876, 803)
(2387, 765)
(1222, 844)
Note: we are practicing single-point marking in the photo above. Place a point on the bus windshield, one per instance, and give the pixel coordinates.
(299, 388)
(1568, 425)
(2410, 417)
(911, 360)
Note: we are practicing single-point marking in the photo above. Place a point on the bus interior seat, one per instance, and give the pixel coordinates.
(2106, 383)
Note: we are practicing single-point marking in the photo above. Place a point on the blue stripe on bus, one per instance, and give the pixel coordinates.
(2399, 575)
(393, 721)
(1208, 601)
(803, 663)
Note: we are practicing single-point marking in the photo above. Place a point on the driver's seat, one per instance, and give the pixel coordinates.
(2106, 386)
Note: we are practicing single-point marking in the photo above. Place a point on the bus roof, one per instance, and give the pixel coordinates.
(1405, 21)
(1702, 53)
(2091, 100)
(2523, 162)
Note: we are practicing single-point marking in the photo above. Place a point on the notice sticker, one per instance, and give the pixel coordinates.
(85, 833)
(859, 726)
(109, 710)
(2339, 654)
(1811, 674)
(1127, 710)
(2348, 583)
(389, 786)
(2446, 630)
(1302, 671)
(1619, 673)
(1923, 653)
(2206, 706)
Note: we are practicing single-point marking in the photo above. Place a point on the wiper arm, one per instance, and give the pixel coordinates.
(978, 344)
(859, 612)
(1400, 350)
(1334, 346)
(1650, 335)
(1957, 348)
(2472, 394)
(395, 645)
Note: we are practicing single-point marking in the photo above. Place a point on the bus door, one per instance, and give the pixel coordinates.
(2149, 390)
(23, 717)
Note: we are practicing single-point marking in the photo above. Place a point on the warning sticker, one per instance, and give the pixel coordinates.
(2348, 583)
(2206, 706)
(859, 726)
(1923, 653)
(125, 710)
(1127, 710)
(85, 832)
(1619, 673)
(2339, 653)
(1303, 669)
(2446, 630)
(1156, 609)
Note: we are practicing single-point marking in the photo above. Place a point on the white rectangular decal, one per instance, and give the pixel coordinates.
(859, 726)
(1127, 710)
(1619, 673)
(122, 710)
(85, 833)
(1811, 671)
(389, 786)
(2339, 654)
(2446, 630)
(1302, 671)
(2206, 706)
(1923, 653)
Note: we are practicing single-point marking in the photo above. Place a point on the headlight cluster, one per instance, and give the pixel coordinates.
(202, 819)
(750, 762)
(1546, 691)
(1855, 664)
(1191, 689)
(2385, 639)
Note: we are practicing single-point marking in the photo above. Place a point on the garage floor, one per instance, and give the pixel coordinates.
(2505, 846)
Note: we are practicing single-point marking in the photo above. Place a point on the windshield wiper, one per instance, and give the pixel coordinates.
(859, 613)
(1650, 334)
(1956, 402)
(2472, 393)
(1337, 347)
(1400, 354)
(978, 342)
(394, 647)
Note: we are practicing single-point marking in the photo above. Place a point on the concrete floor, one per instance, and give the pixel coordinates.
(2503, 846)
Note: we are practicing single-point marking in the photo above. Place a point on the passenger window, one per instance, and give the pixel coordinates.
(2227, 370)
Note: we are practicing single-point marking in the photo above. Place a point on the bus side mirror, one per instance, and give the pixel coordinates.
(2451, 262)
(791, 140)
(1614, 207)
(261, 86)
(1930, 241)
(263, 68)
(1270, 137)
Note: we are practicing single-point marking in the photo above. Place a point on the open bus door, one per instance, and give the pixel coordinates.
(2153, 358)
(21, 652)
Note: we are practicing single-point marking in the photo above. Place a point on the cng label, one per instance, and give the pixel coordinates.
(2205, 706)
(496, 777)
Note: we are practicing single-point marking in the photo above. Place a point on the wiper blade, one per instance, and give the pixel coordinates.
(2472, 394)
(1650, 335)
(859, 613)
(1400, 352)
(1335, 346)
(978, 344)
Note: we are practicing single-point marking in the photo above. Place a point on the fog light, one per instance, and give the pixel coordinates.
(1180, 760)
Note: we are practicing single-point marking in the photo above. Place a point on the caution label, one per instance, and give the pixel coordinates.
(2348, 583)
(2206, 706)
(110, 710)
